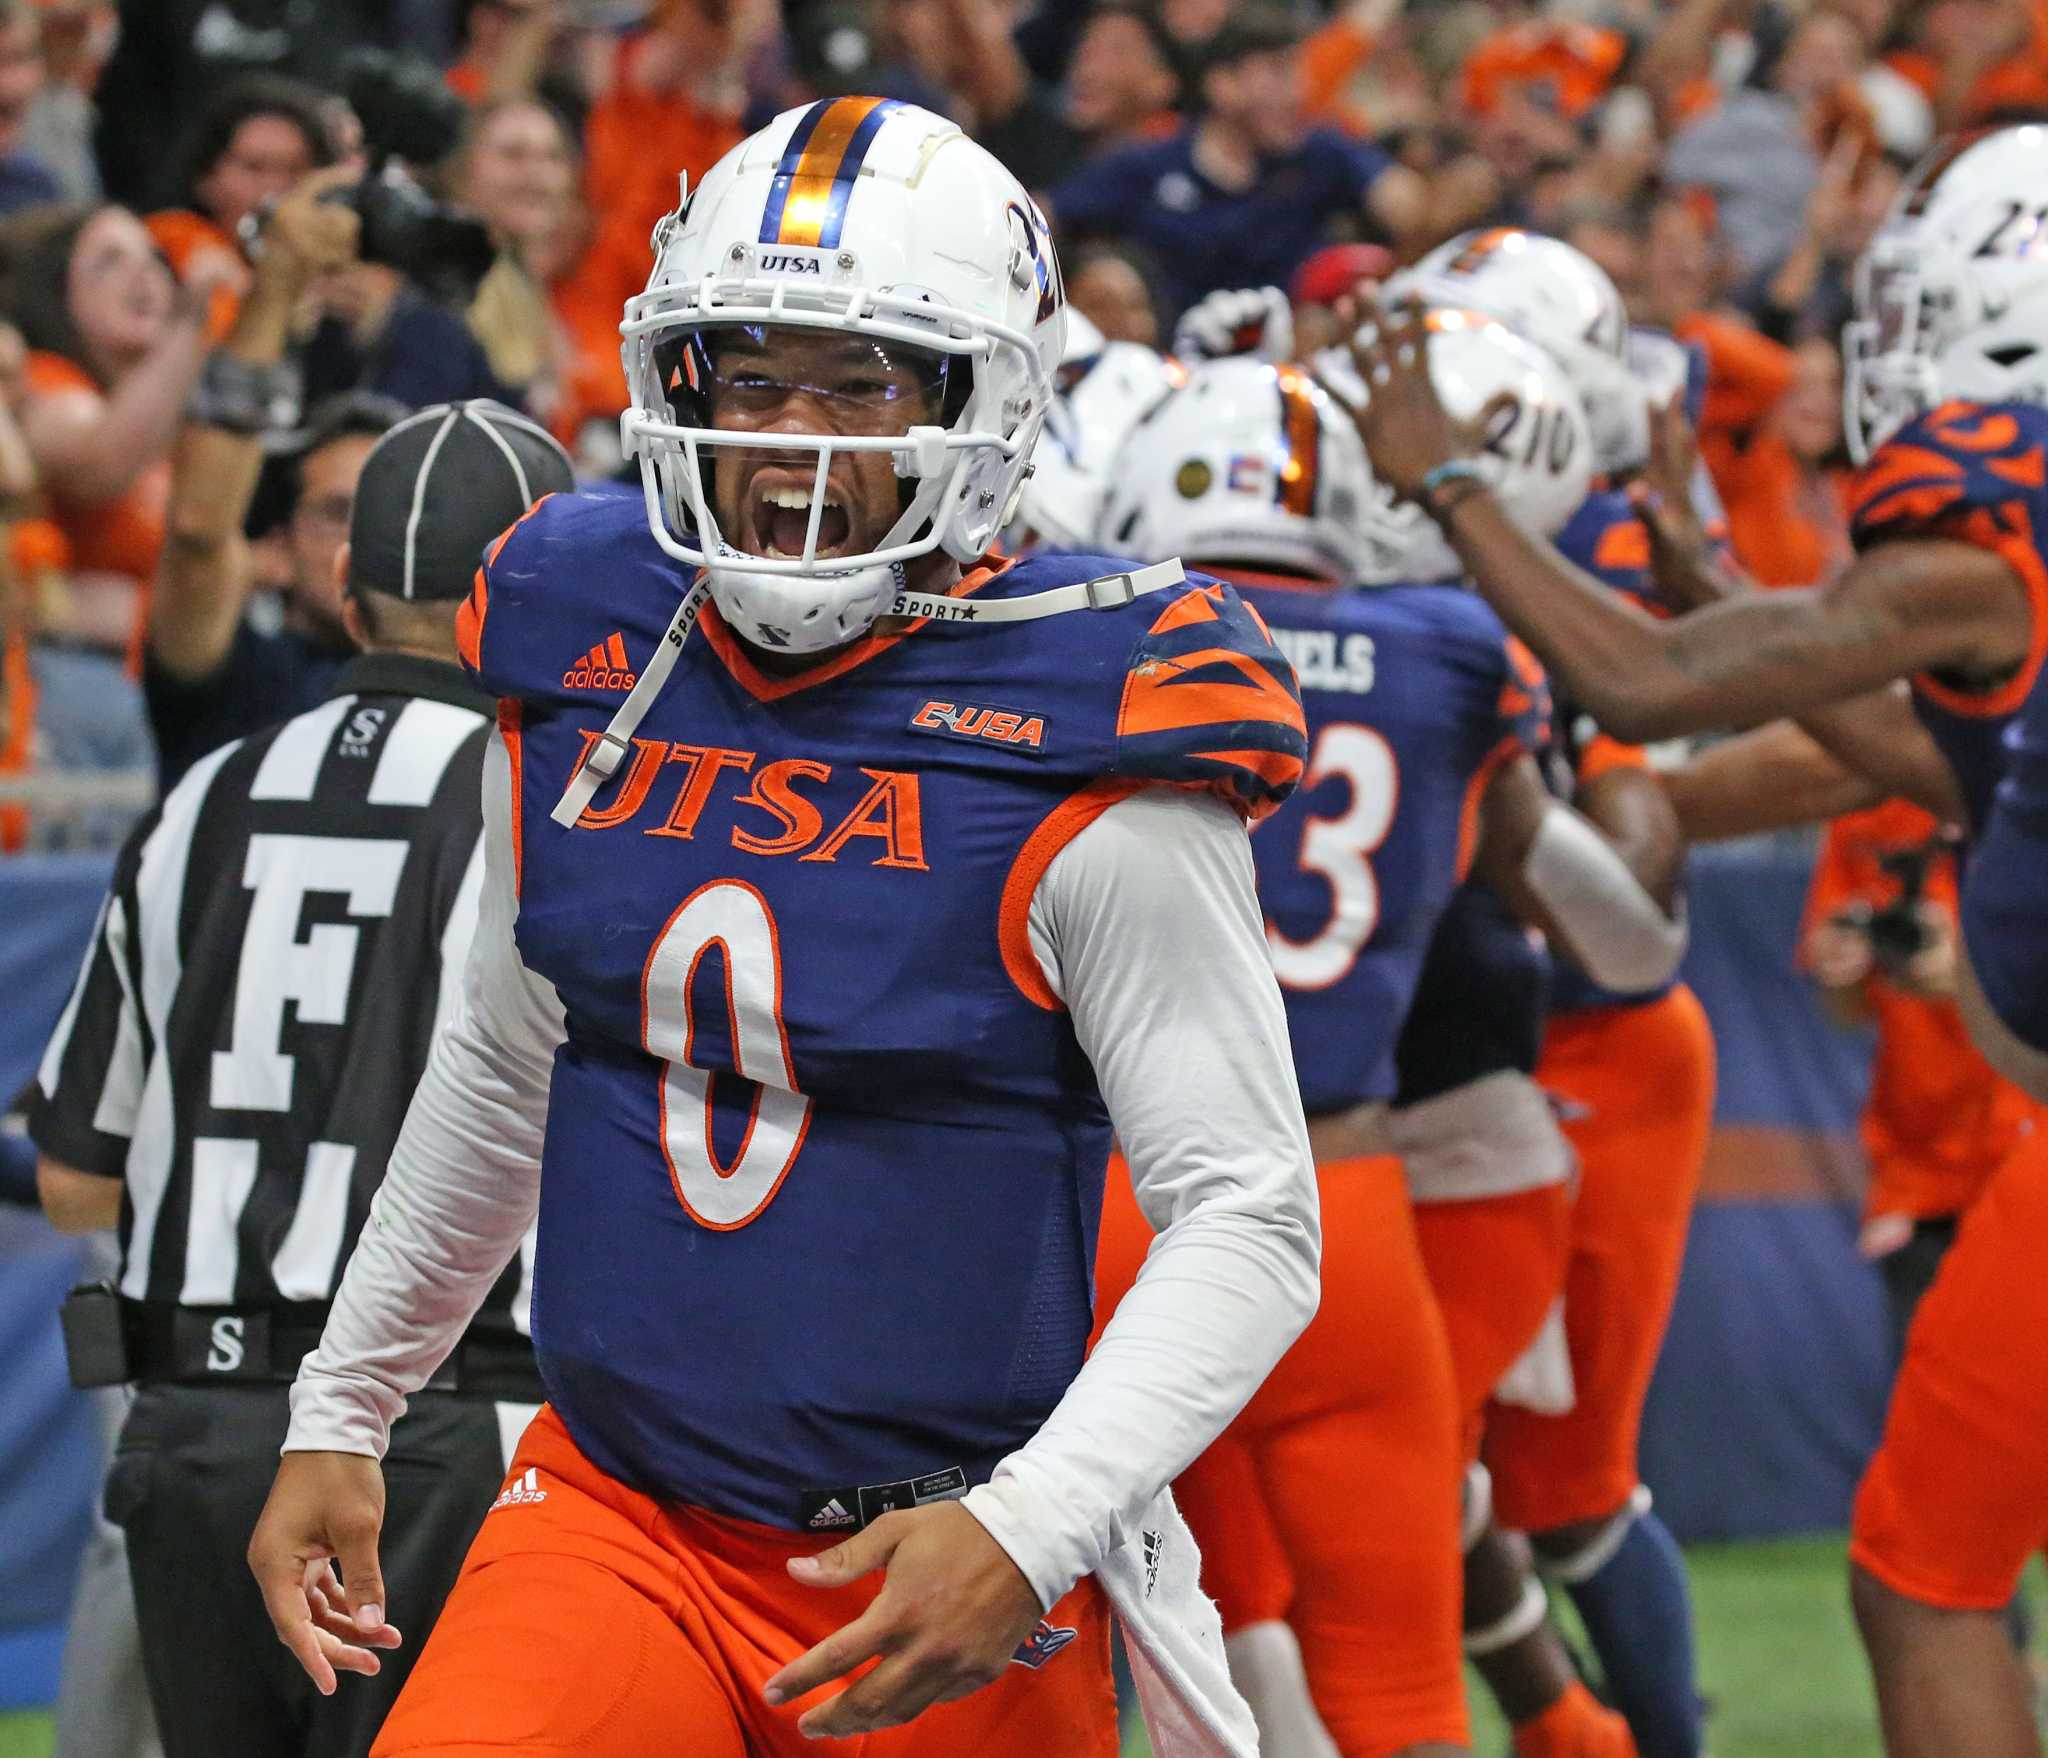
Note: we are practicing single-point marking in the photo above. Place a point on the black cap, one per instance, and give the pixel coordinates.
(439, 487)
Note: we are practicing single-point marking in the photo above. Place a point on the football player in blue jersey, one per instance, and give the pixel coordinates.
(1424, 718)
(1947, 380)
(845, 887)
(1568, 1478)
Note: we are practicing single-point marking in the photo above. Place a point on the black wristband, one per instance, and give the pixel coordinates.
(245, 398)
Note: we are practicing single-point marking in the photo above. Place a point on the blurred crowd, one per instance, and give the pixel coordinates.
(1724, 160)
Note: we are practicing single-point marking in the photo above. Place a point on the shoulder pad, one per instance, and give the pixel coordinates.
(1209, 701)
(1607, 539)
(554, 595)
(1960, 460)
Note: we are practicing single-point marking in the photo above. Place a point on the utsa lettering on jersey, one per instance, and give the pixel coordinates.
(833, 867)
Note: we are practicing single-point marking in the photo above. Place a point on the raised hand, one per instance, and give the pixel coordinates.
(1406, 428)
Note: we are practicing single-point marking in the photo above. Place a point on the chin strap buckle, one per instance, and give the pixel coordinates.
(1111, 592)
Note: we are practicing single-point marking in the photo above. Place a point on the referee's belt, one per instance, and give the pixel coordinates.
(263, 1345)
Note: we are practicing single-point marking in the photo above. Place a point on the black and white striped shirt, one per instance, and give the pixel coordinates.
(283, 936)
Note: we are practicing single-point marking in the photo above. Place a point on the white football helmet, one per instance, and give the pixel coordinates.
(1251, 463)
(1952, 295)
(870, 218)
(1539, 457)
(1103, 390)
(1560, 299)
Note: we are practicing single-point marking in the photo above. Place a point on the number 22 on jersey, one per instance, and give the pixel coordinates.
(732, 916)
(1341, 850)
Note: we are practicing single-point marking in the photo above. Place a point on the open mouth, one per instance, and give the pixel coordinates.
(782, 520)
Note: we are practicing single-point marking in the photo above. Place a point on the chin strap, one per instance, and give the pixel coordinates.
(1110, 592)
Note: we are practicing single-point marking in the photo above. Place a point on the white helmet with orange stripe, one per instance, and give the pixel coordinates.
(1560, 299)
(1252, 464)
(1104, 389)
(1538, 454)
(880, 223)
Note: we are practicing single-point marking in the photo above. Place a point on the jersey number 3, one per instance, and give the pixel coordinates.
(734, 917)
(1341, 849)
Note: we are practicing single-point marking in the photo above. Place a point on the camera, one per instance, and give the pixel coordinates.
(1897, 932)
(410, 118)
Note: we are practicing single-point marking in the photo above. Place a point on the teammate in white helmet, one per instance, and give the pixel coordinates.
(1947, 384)
(1423, 722)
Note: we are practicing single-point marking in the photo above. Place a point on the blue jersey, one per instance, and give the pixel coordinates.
(824, 1159)
(1414, 695)
(1980, 473)
(1607, 539)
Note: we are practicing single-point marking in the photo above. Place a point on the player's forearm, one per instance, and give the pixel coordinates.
(1880, 738)
(1732, 664)
(1155, 901)
(1219, 1301)
(462, 1185)
(458, 1197)
(1771, 779)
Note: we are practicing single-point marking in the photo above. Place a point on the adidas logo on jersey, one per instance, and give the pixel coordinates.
(833, 1514)
(604, 667)
(521, 1491)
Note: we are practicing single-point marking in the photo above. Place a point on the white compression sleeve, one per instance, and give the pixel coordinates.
(462, 1185)
(1148, 927)
(1615, 929)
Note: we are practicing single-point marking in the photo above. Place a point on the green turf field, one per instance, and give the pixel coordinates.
(1778, 1659)
(1778, 1656)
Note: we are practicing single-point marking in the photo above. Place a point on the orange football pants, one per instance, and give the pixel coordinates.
(1641, 1083)
(1496, 1265)
(599, 1623)
(1332, 1500)
(1956, 1498)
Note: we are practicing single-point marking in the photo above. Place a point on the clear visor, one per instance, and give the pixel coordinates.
(749, 377)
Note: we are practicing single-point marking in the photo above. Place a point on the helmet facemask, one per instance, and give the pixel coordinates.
(1889, 372)
(949, 397)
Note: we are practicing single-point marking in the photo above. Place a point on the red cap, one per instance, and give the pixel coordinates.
(1337, 268)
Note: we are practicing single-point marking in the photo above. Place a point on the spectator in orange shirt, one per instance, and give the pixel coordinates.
(1785, 486)
(1880, 940)
(117, 346)
(254, 140)
(676, 104)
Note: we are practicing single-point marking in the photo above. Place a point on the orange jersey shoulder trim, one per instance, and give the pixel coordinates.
(1013, 918)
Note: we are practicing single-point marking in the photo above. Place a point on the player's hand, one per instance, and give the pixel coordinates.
(1406, 428)
(324, 1508)
(1663, 503)
(1255, 321)
(946, 1622)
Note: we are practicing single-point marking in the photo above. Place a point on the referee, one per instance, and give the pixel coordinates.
(284, 934)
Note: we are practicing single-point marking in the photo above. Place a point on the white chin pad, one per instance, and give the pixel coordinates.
(926, 454)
